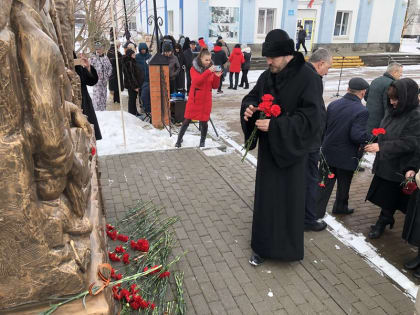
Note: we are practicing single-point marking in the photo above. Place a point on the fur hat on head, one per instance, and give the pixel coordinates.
(278, 43)
(129, 52)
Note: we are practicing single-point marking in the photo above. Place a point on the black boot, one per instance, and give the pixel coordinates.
(378, 229)
(413, 263)
(184, 128)
(203, 128)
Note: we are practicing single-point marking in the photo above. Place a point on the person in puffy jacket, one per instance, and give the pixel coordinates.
(219, 59)
(245, 67)
(174, 67)
(236, 60)
(142, 60)
(204, 78)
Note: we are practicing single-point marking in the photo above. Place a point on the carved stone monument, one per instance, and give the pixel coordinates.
(46, 165)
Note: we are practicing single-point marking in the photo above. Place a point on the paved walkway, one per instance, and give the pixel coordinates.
(213, 197)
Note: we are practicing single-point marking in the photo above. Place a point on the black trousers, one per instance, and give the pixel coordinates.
(244, 78)
(303, 45)
(344, 178)
(116, 96)
(311, 187)
(132, 102)
(231, 79)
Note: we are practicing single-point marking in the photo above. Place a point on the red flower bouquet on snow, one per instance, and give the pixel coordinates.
(267, 110)
(375, 133)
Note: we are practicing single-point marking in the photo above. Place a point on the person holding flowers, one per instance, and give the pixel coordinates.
(345, 132)
(282, 114)
(395, 153)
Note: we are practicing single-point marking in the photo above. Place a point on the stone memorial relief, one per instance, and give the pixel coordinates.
(45, 160)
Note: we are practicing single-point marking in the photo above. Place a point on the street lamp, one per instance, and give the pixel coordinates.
(127, 32)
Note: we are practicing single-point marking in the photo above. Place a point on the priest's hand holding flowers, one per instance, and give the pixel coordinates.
(267, 110)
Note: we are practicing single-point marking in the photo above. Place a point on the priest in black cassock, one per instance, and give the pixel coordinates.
(283, 145)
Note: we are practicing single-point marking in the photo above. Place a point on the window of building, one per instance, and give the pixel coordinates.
(170, 21)
(265, 20)
(132, 25)
(342, 21)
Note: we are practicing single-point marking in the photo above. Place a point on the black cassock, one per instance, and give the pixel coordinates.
(89, 78)
(279, 205)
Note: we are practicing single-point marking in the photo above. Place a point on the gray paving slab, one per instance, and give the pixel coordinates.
(213, 197)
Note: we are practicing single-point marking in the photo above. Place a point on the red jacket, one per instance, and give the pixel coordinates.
(236, 60)
(200, 99)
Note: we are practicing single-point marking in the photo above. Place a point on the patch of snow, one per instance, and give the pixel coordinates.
(315, 261)
(410, 45)
(337, 247)
(270, 293)
(140, 136)
(217, 151)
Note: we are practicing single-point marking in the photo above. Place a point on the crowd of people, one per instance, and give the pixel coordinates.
(309, 147)
(185, 59)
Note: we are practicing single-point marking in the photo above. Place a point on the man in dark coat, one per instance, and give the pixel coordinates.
(219, 59)
(319, 62)
(245, 67)
(88, 76)
(284, 142)
(142, 60)
(301, 39)
(113, 80)
(376, 96)
(346, 131)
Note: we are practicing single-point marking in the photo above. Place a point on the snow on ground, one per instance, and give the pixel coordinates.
(140, 136)
(410, 45)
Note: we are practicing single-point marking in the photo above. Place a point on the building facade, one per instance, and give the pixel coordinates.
(344, 24)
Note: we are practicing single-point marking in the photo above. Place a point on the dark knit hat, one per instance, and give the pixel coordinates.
(358, 84)
(129, 52)
(277, 43)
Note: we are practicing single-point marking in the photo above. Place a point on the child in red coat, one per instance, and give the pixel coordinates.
(204, 78)
(236, 60)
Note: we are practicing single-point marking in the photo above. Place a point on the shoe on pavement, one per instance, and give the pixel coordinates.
(316, 226)
(343, 211)
(256, 260)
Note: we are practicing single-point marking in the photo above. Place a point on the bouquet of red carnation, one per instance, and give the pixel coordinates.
(375, 133)
(409, 186)
(267, 110)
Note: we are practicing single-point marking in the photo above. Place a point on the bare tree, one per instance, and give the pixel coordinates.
(93, 20)
(411, 16)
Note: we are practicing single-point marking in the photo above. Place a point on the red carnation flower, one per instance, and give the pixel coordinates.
(378, 131)
(135, 305)
(113, 257)
(118, 277)
(142, 245)
(126, 258)
(164, 274)
(109, 227)
(157, 270)
(119, 249)
(331, 175)
(321, 184)
(267, 98)
(409, 188)
(152, 306)
(145, 269)
(275, 110)
(125, 293)
(112, 235)
(122, 238)
(93, 151)
(144, 304)
(133, 289)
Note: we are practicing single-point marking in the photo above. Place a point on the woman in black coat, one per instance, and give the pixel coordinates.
(245, 67)
(180, 79)
(133, 80)
(88, 76)
(395, 152)
(113, 80)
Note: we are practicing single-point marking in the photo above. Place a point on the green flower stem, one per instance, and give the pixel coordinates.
(251, 138)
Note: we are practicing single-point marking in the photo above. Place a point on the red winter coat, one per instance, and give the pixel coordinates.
(236, 60)
(200, 99)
